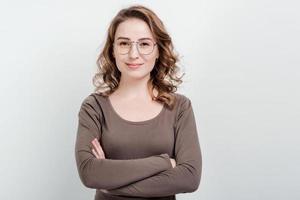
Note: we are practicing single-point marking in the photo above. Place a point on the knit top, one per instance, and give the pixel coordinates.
(137, 153)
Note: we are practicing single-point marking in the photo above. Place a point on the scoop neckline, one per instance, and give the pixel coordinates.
(135, 122)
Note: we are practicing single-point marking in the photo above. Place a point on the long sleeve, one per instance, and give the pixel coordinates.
(185, 177)
(108, 173)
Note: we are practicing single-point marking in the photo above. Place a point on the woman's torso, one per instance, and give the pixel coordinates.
(125, 139)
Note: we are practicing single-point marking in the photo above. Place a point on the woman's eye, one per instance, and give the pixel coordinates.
(144, 44)
(124, 43)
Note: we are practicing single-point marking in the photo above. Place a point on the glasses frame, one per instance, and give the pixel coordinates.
(136, 42)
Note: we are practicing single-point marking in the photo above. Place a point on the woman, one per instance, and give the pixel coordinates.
(137, 138)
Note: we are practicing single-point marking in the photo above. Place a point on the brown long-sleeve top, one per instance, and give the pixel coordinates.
(137, 154)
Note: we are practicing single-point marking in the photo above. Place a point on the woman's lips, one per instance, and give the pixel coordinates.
(132, 65)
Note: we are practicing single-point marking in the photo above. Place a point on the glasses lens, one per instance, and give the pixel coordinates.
(123, 46)
(145, 46)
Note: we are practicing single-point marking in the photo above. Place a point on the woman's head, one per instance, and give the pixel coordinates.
(137, 36)
(134, 44)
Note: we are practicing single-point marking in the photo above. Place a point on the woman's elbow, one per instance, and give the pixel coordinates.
(194, 181)
(87, 180)
(194, 185)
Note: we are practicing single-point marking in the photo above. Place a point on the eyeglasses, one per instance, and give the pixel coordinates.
(144, 47)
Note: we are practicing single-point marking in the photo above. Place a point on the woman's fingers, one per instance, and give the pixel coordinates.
(98, 148)
(173, 162)
(103, 190)
(95, 153)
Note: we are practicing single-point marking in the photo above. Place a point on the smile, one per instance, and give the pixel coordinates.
(133, 65)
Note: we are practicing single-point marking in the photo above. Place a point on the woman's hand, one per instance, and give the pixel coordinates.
(173, 162)
(104, 191)
(97, 149)
(98, 152)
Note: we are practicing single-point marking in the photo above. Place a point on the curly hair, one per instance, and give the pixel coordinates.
(163, 77)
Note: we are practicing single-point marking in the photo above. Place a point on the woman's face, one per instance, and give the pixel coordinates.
(141, 55)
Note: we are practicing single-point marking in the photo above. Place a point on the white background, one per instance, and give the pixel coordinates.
(241, 60)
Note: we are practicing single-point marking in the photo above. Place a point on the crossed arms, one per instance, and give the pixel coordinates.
(152, 176)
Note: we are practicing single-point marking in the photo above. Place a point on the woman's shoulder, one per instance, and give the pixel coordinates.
(182, 105)
(180, 95)
(94, 100)
(181, 99)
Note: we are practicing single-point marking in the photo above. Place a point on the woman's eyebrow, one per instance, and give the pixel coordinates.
(126, 38)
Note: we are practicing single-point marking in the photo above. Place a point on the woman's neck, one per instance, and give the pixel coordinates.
(133, 89)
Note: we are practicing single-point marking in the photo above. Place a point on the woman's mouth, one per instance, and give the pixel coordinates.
(133, 65)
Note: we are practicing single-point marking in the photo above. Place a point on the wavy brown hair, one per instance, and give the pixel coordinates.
(163, 77)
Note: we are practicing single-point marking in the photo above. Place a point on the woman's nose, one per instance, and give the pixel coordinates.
(133, 51)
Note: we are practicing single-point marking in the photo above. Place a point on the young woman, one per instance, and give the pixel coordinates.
(137, 137)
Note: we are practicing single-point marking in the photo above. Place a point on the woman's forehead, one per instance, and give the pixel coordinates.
(133, 29)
